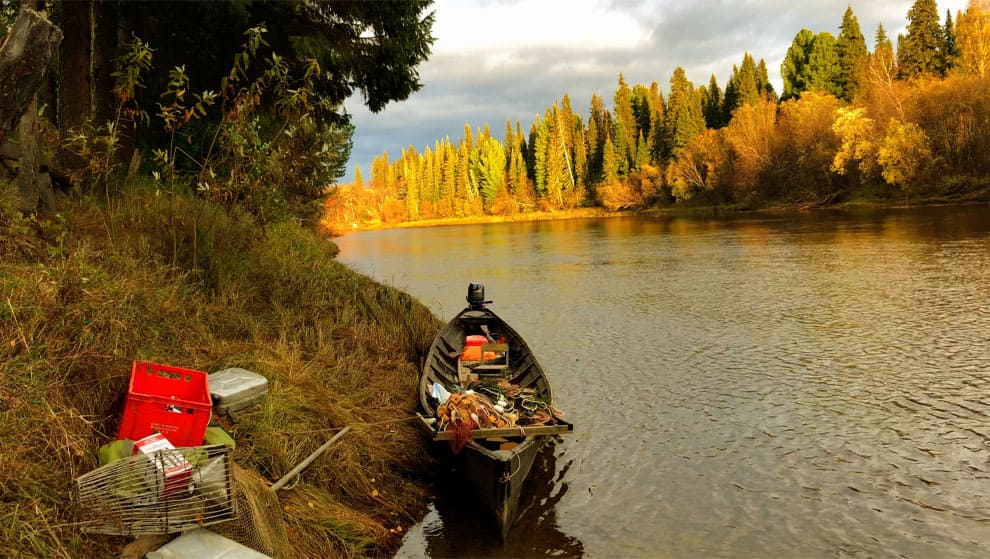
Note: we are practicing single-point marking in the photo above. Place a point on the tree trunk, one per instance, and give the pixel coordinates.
(106, 21)
(75, 98)
(25, 56)
(35, 187)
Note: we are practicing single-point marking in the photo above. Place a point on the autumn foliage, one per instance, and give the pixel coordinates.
(905, 124)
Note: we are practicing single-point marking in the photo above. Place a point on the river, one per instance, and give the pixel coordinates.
(800, 385)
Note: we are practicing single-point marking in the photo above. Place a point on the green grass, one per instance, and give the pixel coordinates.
(181, 282)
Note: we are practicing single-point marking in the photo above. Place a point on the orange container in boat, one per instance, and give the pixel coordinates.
(472, 349)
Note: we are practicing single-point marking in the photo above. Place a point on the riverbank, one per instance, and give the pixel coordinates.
(175, 280)
(980, 196)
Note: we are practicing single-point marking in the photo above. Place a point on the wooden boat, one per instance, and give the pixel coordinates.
(497, 459)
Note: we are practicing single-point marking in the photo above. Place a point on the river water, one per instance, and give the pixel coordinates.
(811, 385)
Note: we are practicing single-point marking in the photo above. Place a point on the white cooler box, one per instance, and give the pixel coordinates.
(235, 389)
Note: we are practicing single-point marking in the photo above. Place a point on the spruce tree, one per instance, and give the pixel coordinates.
(410, 171)
(921, 51)
(558, 173)
(580, 158)
(950, 48)
(763, 82)
(794, 69)
(531, 150)
(542, 141)
(624, 133)
(641, 108)
(851, 51)
(597, 130)
(449, 172)
(823, 64)
(684, 117)
(656, 137)
(711, 104)
(610, 167)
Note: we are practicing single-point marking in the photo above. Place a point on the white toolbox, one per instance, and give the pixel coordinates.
(235, 389)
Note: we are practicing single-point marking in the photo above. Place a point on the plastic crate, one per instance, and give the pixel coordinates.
(169, 400)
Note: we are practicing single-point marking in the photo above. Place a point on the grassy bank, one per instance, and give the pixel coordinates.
(181, 282)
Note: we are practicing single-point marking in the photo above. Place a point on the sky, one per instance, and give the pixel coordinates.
(498, 60)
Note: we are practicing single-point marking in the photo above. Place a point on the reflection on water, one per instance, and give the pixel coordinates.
(814, 385)
(457, 527)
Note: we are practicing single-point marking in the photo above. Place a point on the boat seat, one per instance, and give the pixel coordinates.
(470, 371)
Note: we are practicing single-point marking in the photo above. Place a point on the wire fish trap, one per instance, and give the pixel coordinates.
(167, 491)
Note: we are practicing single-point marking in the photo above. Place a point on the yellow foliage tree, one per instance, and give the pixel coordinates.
(903, 154)
(751, 135)
(857, 134)
(698, 167)
(973, 38)
(807, 142)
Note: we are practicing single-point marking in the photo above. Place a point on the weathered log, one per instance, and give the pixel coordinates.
(25, 56)
(10, 151)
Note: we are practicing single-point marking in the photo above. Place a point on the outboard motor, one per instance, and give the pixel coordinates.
(476, 296)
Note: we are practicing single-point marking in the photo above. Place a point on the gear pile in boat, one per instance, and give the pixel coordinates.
(490, 405)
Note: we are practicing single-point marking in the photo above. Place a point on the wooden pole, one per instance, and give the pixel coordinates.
(309, 459)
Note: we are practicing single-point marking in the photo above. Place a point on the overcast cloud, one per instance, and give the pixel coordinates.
(498, 60)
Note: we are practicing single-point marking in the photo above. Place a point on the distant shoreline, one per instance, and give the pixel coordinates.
(708, 210)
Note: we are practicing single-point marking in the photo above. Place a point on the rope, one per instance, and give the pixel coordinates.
(507, 477)
(354, 426)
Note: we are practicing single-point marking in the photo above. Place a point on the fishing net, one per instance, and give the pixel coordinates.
(258, 524)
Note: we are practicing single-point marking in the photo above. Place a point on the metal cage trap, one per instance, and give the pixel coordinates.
(168, 491)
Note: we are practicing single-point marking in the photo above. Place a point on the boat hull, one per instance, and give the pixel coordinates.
(495, 476)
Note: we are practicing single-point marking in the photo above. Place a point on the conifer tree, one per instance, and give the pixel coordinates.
(851, 51)
(746, 81)
(794, 71)
(624, 132)
(521, 172)
(557, 169)
(468, 137)
(512, 179)
(531, 150)
(610, 167)
(951, 48)
(379, 170)
(542, 139)
(597, 131)
(712, 105)
(580, 159)
(488, 167)
(642, 151)
(684, 117)
(449, 172)
(921, 50)
(462, 180)
(657, 115)
(823, 64)
(567, 122)
(412, 191)
(641, 109)
(763, 82)
(358, 181)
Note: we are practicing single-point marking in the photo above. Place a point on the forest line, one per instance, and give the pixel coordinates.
(851, 123)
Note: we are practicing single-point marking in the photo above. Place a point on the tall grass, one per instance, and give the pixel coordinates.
(211, 291)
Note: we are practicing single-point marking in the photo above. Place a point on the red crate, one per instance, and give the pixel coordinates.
(169, 400)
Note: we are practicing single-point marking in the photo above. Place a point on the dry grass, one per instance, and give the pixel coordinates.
(206, 290)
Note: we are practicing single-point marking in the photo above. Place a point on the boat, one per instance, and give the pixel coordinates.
(477, 355)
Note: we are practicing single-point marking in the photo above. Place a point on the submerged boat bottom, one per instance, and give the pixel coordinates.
(497, 476)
